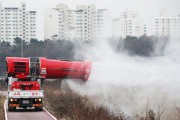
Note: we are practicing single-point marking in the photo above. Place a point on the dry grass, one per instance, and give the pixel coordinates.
(3, 86)
(2, 99)
(66, 105)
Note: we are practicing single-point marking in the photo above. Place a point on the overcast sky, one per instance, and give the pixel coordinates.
(146, 8)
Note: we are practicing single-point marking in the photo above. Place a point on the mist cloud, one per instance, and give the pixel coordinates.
(130, 84)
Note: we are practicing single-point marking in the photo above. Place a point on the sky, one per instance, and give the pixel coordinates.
(147, 9)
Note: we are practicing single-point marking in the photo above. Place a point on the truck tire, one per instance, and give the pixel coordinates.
(38, 109)
(11, 109)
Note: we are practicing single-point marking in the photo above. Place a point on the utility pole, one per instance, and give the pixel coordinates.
(21, 47)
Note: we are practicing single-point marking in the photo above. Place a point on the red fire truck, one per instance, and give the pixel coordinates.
(26, 75)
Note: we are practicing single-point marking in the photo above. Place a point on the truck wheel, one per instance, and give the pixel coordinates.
(38, 109)
(11, 109)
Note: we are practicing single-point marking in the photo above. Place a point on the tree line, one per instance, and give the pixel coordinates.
(143, 46)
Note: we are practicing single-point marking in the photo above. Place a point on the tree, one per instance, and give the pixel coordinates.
(34, 41)
(142, 46)
(17, 41)
(5, 50)
(19, 46)
(35, 48)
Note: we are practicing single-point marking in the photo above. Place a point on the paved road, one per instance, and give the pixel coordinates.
(28, 114)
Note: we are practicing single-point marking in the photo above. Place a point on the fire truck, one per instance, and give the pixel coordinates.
(25, 77)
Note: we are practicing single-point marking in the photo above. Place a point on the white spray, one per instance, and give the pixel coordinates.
(123, 83)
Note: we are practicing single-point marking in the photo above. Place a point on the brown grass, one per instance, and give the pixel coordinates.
(2, 99)
(66, 105)
(3, 86)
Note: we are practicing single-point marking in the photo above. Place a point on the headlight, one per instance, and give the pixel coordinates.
(38, 99)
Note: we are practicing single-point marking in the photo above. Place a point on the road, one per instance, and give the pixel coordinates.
(28, 114)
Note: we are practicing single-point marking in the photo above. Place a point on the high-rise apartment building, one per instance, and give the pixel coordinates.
(55, 22)
(116, 28)
(166, 26)
(17, 22)
(71, 25)
(104, 24)
(128, 24)
(51, 24)
(85, 23)
(175, 27)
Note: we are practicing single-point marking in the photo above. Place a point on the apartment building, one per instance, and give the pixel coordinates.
(175, 27)
(51, 24)
(128, 24)
(71, 25)
(116, 28)
(104, 24)
(17, 22)
(55, 22)
(166, 26)
(85, 23)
